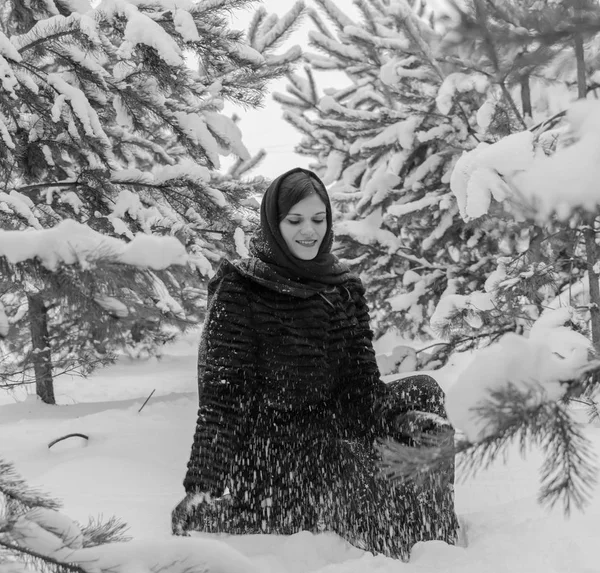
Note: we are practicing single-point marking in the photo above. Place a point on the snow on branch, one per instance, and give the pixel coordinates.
(568, 179)
(288, 102)
(458, 82)
(242, 167)
(185, 25)
(328, 103)
(417, 30)
(334, 166)
(141, 29)
(334, 47)
(419, 175)
(5, 133)
(72, 243)
(4, 323)
(367, 231)
(304, 89)
(321, 26)
(81, 107)
(195, 128)
(337, 16)
(9, 81)
(360, 34)
(401, 209)
(280, 30)
(455, 309)
(537, 186)
(228, 131)
(319, 62)
(481, 174)
(401, 132)
(246, 53)
(291, 55)
(299, 122)
(543, 362)
(255, 24)
(19, 204)
(8, 49)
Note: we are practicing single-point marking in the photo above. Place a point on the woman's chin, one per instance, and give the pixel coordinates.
(306, 256)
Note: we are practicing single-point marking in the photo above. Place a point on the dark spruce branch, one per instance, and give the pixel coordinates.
(512, 417)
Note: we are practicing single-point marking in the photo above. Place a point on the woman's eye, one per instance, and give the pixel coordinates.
(298, 221)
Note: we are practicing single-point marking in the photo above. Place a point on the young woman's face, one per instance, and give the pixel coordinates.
(304, 227)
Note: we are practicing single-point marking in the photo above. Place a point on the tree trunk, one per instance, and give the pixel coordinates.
(526, 96)
(591, 255)
(589, 233)
(40, 340)
(580, 59)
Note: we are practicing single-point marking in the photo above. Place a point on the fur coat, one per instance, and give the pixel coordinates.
(291, 404)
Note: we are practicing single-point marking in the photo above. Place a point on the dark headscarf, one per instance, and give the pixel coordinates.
(272, 261)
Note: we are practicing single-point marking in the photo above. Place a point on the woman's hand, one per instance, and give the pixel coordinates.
(420, 443)
(182, 515)
(187, 511)
(415, 428)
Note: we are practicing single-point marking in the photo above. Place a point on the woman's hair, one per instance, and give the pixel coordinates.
(294, 188)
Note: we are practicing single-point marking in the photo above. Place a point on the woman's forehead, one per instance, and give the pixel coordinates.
(312, 204)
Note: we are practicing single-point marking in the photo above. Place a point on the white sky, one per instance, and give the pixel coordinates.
(265, 128)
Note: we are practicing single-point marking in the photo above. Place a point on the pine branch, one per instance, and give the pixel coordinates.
(47, 39)
(400, 462)
(39, 561)
(314, 16)
(314, 96)
(511, 415)
(297, 104)
(334, 48)
(255, 24)
(241, 167)
(18, 494)
(570, 471)
(99, 532)
(282, 28)
(368, 15)
(338, 17)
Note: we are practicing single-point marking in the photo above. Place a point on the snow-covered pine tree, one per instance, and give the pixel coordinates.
(421, 91)
(82, 266)
(521, 389)
(534, 72)
(385, 149)
(111, 114)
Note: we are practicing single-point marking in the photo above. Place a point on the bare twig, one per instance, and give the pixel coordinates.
(67, 436)
(146, 401)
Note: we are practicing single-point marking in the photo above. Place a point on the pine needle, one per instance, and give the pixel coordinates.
(19, 496)
(99, 532)
(512, 416)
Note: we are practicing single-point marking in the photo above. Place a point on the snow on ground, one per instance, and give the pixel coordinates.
(133, 464)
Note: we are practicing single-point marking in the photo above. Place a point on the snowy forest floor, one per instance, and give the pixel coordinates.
(133, 465)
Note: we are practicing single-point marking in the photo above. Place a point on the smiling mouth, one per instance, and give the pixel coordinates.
(307, 243)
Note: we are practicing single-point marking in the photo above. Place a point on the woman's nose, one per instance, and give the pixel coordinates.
(308, 229)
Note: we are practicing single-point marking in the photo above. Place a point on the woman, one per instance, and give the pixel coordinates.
(291, 403)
